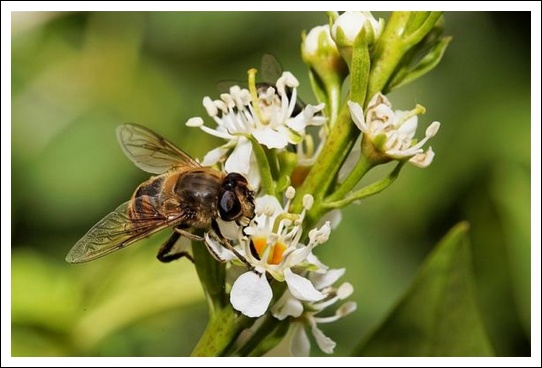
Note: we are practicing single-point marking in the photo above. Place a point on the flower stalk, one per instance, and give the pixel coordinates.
(301, 179)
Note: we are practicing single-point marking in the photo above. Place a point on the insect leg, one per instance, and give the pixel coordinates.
(188, 234)
(163, 255)
(223, 240)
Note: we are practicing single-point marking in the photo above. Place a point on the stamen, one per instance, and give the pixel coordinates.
(290, 192)
(195, 122)
(254, 94)
(432, 129)
(308, 201)
(210, 106)
(228, 100)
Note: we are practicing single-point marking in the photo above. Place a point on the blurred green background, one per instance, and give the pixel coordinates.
(76, 76)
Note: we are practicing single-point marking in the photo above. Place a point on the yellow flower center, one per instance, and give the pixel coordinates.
(276, 252)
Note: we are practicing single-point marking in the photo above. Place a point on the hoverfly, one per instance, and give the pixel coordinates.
(183, 196)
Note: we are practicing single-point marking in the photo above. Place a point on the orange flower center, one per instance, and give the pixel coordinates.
(276, 252)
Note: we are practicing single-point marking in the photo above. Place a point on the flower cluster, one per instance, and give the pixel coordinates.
(267, 139)
(264, 114)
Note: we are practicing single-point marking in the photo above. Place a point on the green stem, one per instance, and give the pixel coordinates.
(366, 191)
(222, 330)
(362, 167)
(387, 53)
(427, 20)
(264, 330)
(334, 98)
(212, 275)
(403, 31)
(271, 157)
(322, 174)
(263, 166)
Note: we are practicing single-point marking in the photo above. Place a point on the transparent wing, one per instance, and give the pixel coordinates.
(151, 152)
(271, 68)
(116, 231)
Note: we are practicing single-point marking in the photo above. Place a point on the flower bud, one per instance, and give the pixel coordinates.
(319, 42)
(328, 69)
(348, 26)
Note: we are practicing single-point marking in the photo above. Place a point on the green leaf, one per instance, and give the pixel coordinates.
(429, 61)
(438, 316)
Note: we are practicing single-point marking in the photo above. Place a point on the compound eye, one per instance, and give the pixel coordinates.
(229, 206)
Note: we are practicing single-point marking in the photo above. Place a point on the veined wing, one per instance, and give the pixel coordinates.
(116, 231)
(151, 152)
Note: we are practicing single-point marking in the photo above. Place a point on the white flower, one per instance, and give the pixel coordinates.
(274, 248)
(317, 41)
(305, 314)
(268, 119)
(348, 25)
(392, 132)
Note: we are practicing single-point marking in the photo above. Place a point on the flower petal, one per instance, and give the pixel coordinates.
(301, 345)
(217, 250)
(239, 160)
(324, 343)
(287, 306)
(301, 288)
(357, 116)
(213, 156)
(324, 280)
(270, 138)
(423, 159)
(251, 294)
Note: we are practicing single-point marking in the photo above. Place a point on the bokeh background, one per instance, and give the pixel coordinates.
(78, 75)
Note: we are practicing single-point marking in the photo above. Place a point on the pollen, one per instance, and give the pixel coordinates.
(275, 253)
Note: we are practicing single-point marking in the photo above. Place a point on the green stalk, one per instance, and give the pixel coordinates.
(322, 174)
(362, 167)
(263, 166)
(366, 191)
(221, 332)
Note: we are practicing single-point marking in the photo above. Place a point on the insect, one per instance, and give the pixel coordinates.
(183, 195)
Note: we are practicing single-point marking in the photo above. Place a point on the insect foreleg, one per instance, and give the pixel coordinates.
(163, 255)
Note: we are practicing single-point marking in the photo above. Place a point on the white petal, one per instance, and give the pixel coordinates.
(270, 138)
(213, 156)
(357, 116)
(324, 280)
(324, 343)
(287, 306)
(239, 160)
(378, 99)
(301, 345)
(229, 229)
(301, 288)
(408, 127)
(297, 256)
(319, 266)
(251, 294)
(423, 159)
(217, 250)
